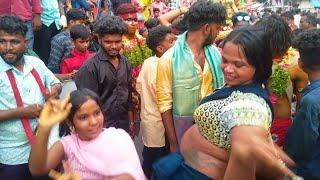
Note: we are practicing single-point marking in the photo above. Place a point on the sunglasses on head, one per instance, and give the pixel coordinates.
(243, 18)
(131, 20)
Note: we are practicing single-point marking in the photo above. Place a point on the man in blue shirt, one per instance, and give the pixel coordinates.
(302, 140)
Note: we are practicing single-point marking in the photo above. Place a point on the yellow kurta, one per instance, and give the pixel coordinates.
(164, 81)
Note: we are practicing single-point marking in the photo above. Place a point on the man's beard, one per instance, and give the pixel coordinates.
(11, 62)
(112, 55)
(209, 41)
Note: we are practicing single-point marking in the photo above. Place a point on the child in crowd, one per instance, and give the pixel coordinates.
(156, 13)
(159, 40)
(80, 37)
(160, 5)
(91, 151)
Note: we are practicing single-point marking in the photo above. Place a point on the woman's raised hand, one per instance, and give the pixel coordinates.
(55, 111)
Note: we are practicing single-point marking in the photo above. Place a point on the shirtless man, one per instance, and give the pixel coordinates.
(285, 65)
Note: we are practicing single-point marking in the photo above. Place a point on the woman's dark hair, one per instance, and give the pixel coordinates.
(79, 31)
(126, 9)
(110, 25)
(253, 41)
(308, 45)
(279, 34)
(12, 25)
(203, 12)
(77, 99)
(156, 35)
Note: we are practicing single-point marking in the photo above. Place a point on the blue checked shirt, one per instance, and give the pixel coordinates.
(61, 47)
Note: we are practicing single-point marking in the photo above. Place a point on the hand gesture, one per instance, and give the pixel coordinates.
(69, 174)
(55, 111)
(36, 22)
(63, 21)
(73, 74)
(31, 111)
(134, 129)
(51, 94)
(173, 148)
(251, 147)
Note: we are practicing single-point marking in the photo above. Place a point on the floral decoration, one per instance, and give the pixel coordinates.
(280, 75)
(136, 51)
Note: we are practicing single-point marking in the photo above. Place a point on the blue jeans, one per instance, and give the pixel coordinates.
(29, 35)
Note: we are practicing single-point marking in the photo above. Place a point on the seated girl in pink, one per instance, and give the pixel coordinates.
(91, 151)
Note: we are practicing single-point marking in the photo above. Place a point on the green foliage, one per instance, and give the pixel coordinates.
(279, 81)
(137, 54)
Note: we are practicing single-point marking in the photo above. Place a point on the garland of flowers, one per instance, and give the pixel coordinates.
(279, 80)
(137, 54)
(280, 76)
(136, 51)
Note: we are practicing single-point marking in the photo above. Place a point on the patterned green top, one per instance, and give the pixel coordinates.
(215, 119)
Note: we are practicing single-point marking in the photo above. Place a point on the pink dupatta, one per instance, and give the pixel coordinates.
(110, 154)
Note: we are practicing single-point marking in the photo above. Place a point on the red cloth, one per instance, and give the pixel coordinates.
(21, 8)
(279, 128)
(75, 61)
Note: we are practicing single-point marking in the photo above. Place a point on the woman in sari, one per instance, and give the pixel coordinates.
(231, 138)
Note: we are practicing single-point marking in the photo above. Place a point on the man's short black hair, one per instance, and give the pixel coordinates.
(79, 31)
(156, 35)
(308, 45)
(151, 23)
(234, 18)
(142, 30)
(203, 12)
(311, 18)
(75, 14)
(288, 14)
(13, 25)
(110, 25)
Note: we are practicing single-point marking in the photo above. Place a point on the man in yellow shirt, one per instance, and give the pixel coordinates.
(190, 70)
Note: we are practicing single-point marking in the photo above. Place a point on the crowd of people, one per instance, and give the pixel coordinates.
(219, 91)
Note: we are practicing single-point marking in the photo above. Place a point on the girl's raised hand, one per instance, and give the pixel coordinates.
(55, 111)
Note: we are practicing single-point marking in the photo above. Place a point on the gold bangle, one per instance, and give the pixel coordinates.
(180, 11)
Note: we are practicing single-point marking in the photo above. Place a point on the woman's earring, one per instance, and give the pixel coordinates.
(72, 129)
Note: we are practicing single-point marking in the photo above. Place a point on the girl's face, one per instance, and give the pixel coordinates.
(235, 67)
(131, 21)
(88, 120)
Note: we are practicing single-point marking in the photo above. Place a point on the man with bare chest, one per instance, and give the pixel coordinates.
(109, 74)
